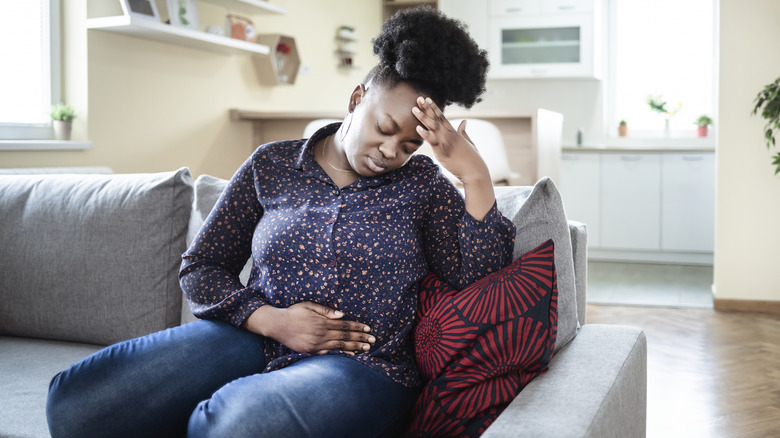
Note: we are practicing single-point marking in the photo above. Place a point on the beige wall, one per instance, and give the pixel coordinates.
(747, 248)
(149, 106)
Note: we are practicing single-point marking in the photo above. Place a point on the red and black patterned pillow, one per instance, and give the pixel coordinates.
(477, 348)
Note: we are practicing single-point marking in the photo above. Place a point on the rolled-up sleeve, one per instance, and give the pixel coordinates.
(209, 273)
(461, 249)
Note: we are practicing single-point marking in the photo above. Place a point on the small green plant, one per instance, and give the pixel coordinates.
(769, 98)
(62, 112)
(658, 104)
(703, 120)
(623, 123)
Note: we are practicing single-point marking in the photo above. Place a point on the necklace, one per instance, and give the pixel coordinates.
(324, 145)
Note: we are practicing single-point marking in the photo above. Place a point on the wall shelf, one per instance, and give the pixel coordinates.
(157, 31)
(250, 6)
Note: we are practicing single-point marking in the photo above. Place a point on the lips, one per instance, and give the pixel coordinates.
(377, 166)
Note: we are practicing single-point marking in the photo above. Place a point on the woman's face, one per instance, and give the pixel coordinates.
(383, 134)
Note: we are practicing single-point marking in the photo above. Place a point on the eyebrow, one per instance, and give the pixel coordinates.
(397, 127)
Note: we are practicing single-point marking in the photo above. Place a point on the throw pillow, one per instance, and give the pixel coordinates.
(477, 348)
(538, 215)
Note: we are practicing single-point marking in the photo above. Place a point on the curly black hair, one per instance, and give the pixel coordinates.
(433, 53)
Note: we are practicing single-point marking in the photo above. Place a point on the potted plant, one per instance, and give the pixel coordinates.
(622, 128)
(703, 122)
(769, 98)
(658, 104)
(62, 120)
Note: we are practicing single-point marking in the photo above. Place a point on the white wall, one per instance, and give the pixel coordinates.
(747, 240)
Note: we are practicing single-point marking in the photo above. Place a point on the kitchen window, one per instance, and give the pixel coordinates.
(30, 80)
(667, 49)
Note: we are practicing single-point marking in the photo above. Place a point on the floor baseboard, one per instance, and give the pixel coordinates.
(724, 305)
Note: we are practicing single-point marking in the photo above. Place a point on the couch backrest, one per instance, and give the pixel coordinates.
(92, 258)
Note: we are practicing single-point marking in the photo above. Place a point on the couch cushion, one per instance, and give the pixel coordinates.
(538, 215)
(478, 347)
(92, 258)
(26, 368)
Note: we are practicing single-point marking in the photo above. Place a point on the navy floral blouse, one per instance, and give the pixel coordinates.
(361, 249)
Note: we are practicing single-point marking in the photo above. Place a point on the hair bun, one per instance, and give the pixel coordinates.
(425, 47)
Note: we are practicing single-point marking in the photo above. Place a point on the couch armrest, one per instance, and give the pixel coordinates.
(596, 387)
(579, 252)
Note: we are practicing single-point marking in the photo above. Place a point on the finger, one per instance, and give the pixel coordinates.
(437, 112)
(324, 310)
(348, 346)
(352, 336)
(462, 131)
(349, 326)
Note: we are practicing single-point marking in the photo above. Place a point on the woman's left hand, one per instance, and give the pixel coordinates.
(453, 148)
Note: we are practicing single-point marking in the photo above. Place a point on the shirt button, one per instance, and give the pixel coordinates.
(330, 220)
(332, 263)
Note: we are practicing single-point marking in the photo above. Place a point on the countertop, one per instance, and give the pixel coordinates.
(639, 149)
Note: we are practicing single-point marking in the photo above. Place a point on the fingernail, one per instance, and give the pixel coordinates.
(372, 339)
(366, 329)
(366, 347)
(415, 110)
(428, 100)
(339, 313)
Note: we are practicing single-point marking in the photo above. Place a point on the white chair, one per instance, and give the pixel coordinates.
(490, 144)
(314, 125)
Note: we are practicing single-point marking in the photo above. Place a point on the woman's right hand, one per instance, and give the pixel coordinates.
(307, 327)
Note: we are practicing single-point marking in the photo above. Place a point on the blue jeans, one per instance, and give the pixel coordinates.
(203, 380)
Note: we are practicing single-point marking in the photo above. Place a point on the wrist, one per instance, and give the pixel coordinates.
(263, 321)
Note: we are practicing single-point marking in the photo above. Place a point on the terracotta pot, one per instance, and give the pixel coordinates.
(702, 130)
(62, 129)
(622, 130)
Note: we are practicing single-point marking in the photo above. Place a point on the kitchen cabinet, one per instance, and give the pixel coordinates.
(472, 12)
(534, 38)
(688, 207)
(631, 201)
(580, 180)
(642, 205)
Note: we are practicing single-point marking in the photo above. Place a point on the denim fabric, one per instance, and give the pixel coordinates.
(208, 374)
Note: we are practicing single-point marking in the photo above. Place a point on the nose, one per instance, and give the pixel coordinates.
(389, 149)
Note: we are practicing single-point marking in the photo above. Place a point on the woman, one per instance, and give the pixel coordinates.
(340, 227)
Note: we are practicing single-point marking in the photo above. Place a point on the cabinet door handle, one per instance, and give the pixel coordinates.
(538, 71)
(513, 10)
(692, 158)
(630, 158)
(566, 7)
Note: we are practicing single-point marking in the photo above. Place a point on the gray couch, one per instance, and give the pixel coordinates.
(87, 260)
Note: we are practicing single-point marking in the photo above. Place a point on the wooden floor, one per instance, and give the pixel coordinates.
(710, 374)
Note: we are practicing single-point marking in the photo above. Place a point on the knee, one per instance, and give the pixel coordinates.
(60, 415)
(237, 416)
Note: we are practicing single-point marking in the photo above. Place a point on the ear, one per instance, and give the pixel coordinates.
(356, 97)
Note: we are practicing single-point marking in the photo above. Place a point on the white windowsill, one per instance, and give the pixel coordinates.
(43, 145)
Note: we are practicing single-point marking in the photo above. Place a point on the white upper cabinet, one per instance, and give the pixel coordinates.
(554, 46)
(514, 7)
(534, 38)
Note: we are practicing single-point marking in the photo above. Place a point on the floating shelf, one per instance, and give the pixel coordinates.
(157, 31)
(277, 68)
(250, 6)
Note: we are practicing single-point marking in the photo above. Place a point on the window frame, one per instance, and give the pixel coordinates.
(43, 131)
(676, 137)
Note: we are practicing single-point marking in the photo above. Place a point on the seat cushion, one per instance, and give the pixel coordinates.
(92, 258)
(26, 368)
(477, 348)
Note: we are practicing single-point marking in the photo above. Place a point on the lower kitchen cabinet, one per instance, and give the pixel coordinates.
(645, 206)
